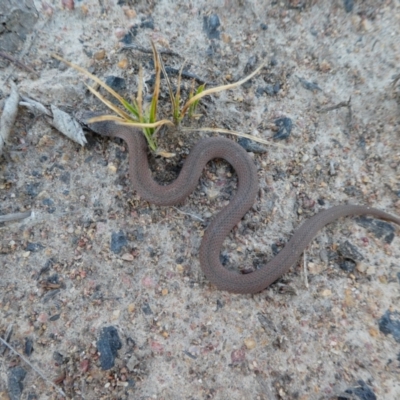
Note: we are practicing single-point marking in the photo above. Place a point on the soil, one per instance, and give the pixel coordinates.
(94, 255)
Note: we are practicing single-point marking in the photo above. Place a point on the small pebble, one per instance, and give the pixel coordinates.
(99, 55)
(127, 257)
(250, 343)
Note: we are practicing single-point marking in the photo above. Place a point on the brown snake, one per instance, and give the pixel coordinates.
(174, 193)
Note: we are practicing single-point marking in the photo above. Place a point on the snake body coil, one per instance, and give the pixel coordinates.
(174, 193)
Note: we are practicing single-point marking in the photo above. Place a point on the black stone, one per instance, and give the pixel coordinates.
(108, 345)
(15, 387)
(28, 346)
(115, 82)
(349, 251)
(146, 309)
(32, 189)
(381, 229)
(363, 392)
(250, 145)
(118, 241)
(211, 25)
(389, 323)
(348, 5)
(34, 247)
(285, 128)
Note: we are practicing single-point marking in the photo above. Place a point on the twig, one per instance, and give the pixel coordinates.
(184, 74)
(9, 114)
(15, 217)
(305, 269)
(7, 338)
(336, 106)
(38, 371)
(17, 62)
(339, 105)
(149, 51)
(190, 215)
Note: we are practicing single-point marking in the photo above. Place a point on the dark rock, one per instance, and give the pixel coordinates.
(273, 62)
(47, 202)
(34, 247)
(55, 317)
(192, 356)
(66, 177)
(139, 234)
(128, 38)
(15, 387)
(349, 251)
(17, 20)
(276, 88)
(54, 279)
(352, 191)
(348, 5)
(285, 128)
(363, 392)
(211, 25)
(275, 249)
(115, 82)
(108, 345)
(347, 265)
(250, 65)
(146, 309)
(28, 346)
(269, 89)
(250, 145)
(224, 258)
(147, 23)
(313, 86)
(260, 91)
(263, 26)
(58, 358)
(389, 323)
(220, 304)
(381, 229)
(32, 189)
(118, 241)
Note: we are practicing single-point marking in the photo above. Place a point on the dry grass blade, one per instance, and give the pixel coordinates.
(156, 93)
(121, 121)
(219, 89)
(166, 77)
(227, 131)
(146, 124)
(108, 103)
(91, 76)
(139, 97)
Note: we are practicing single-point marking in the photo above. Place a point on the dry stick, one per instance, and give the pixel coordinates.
(38, 371)
(7, 338)
(9, 114)
(190, 215)
(149, 51)
(341, 104)
(336, 106)
(17, 62)
(15, 217)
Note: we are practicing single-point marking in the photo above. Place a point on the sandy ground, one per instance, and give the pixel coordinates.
(311, 335)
